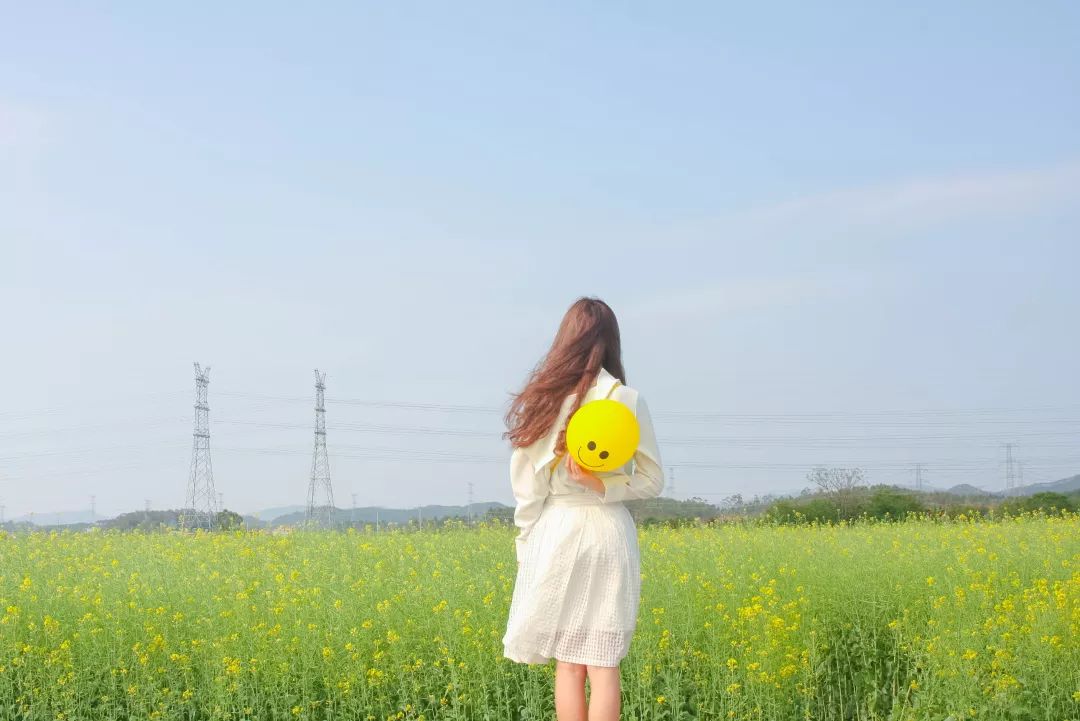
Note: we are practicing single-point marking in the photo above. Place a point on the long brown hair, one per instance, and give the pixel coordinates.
(588, 339)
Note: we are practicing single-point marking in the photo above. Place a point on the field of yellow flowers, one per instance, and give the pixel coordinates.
(927, 619)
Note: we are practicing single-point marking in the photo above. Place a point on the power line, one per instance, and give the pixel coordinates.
(682, 440)
(374, 428)
(86, 451)
(688, 414)
(883, 430)
(899, 418)
(108, 468)
(443, 407)
(122, 425)
(113, 400)
(401, 455)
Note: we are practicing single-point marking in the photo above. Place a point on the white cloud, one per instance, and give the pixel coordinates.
(877, 210)
(920, 201)
(741, 295)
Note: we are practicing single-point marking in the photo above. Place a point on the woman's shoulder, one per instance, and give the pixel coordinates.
(608, 386)
(631, 398)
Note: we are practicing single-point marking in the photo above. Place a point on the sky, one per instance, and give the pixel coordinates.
(838, 233)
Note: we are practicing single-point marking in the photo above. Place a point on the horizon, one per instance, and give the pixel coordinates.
(41, 518)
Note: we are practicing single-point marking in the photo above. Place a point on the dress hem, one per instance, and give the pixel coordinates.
(540, 659)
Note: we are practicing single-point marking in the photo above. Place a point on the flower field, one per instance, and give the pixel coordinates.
(926, 619)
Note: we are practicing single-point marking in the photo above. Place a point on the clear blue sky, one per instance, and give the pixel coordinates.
(847, 231)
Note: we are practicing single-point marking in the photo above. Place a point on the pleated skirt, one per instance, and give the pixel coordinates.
(578, 585)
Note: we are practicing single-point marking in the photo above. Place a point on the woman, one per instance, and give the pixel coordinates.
(578, 579)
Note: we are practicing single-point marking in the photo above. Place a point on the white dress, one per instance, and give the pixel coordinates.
(578, 579)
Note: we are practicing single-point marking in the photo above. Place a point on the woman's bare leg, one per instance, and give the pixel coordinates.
(570, 692)
(604, 693)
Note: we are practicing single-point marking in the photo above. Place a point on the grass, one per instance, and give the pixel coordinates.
(916, 620)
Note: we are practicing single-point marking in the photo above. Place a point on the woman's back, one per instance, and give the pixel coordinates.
(645, 467)
(578, 581)
(578, 584)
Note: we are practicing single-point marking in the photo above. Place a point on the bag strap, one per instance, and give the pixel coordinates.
(615, 385)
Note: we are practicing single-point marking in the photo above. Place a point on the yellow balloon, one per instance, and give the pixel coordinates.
(602, 435)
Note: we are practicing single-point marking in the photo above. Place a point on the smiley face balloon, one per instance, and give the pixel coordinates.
(602, 435)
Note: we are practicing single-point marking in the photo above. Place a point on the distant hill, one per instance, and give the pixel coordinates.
(62, 518)
(269, 514)
(369, 514)
(1065, 485)
(280, 516)
(655, 509)
(966, 489)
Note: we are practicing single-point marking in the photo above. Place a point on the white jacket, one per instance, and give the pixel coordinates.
(536, 472)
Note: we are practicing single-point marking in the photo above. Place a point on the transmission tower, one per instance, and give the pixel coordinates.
(320, 464)
(470, 502)
(93, 509)
(671, 486)
(1010, 468)
(918, 476)
(201, 502)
